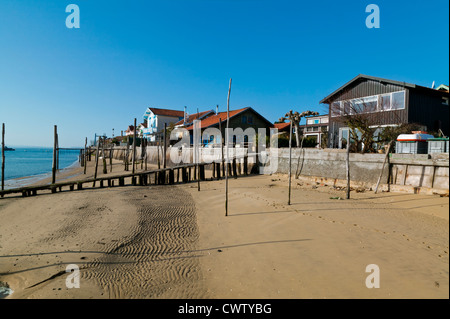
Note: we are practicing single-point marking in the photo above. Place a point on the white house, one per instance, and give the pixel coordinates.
(315, 126)
(155, 119)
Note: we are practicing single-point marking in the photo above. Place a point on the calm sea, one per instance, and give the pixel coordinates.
(28, 165)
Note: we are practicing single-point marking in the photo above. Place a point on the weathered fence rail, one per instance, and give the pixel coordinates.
(163, 176)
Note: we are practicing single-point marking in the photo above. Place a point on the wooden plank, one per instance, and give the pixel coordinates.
(134, 146)
(226, 175)
(3, 157)
(85, 156)
(55, 133)
(347, 168)
(290, 161)
(96, 161)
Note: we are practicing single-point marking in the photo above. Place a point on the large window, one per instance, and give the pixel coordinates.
(398, 100)
(369, 104)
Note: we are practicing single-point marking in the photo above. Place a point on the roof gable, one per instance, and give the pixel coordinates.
(163, 112)
(362, 77)
(221, 117)
(193, 117)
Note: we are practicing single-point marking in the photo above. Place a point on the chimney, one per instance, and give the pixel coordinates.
(432, 85)
(217, 109)
(185, 115)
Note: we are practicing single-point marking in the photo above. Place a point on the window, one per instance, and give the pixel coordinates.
(370, 104)
(398, 100)
(316, 121)
(336, 108)
(385, 102)
(445, 101)
(364, 105)
(244, 119)
(347, 108)
(250, 120)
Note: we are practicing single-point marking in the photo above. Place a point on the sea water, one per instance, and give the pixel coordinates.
(27, 165)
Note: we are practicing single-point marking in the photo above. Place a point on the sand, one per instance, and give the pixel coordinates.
(175, 242)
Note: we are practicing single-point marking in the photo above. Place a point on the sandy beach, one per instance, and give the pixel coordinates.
(175, 241)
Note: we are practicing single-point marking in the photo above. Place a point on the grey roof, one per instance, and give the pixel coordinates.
(373, 78)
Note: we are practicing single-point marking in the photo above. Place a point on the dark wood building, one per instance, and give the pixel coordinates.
(242, 118)
(387, 103)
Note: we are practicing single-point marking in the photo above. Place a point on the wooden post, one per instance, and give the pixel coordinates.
(126, 154)
(145, 149)
(171, 176)
(157, 147)
(3, 157)
(55, 134)
(110, 158)
(134, 146)
(57, 153)
(384, 163)
(347, 166)
(226, 140)
(142, 154)
(218, 170)
(433, 177)
(290, 161)
(245, 162)
(105, 170)
(96, 160)
(202, 172)
(85, 155)
(197, 145)
(165, 146)
(221, 147)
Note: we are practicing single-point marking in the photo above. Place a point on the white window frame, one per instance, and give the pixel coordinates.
(369, 98)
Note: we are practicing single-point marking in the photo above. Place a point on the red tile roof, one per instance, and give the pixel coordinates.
(167, 112)
(216, 118)
(193, 117)
(282, 126)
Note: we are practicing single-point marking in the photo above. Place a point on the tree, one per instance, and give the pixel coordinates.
(360, 117)
(296, 118)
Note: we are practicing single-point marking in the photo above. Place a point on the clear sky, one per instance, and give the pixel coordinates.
(129, 55)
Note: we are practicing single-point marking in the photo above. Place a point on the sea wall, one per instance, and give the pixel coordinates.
(418, 173)
(426, 173)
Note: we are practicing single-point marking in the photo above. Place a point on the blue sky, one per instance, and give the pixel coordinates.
(129, 55)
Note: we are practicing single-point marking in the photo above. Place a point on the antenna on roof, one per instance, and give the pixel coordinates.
(185, 115)
(432, 85)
